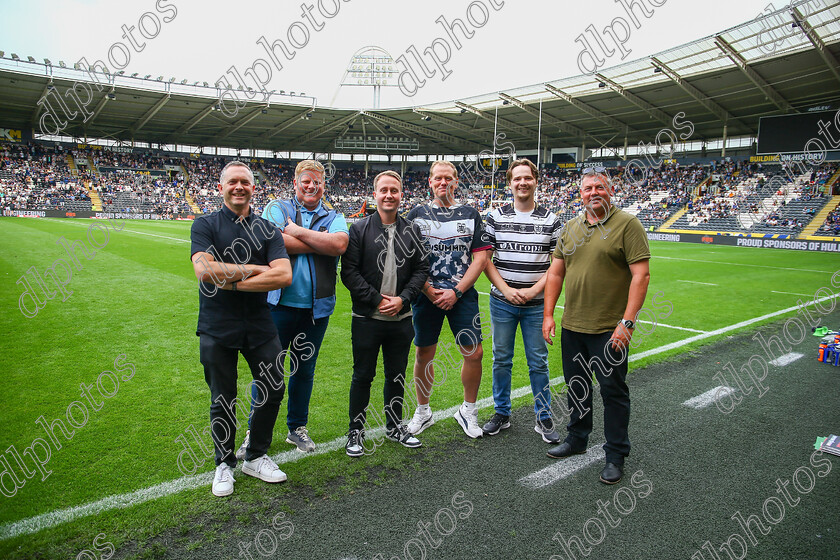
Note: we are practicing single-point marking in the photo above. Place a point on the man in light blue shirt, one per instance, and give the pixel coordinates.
(314, 237)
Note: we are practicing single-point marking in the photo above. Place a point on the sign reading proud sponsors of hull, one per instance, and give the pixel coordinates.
(757, 242)
(91, 214)
(136, 216)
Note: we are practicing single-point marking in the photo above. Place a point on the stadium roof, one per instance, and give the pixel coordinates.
(784, 62)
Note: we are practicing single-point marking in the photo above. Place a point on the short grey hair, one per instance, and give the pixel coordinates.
(236, 163)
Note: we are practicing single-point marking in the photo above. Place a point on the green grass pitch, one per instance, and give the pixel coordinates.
(138, 296)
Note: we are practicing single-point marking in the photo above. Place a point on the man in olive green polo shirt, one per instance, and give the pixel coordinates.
(603, 257)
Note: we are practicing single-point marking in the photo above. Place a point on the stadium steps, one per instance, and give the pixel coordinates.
(95, 201)
(670, 221)
(71, 163)
(193, 206)
(819, 217)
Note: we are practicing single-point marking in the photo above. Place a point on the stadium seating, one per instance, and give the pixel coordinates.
(728, 196)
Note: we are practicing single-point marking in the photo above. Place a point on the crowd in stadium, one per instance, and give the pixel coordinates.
(38, 176)
(34, 177)
(832, 222)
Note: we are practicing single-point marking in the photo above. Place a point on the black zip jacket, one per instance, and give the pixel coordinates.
(361, 264)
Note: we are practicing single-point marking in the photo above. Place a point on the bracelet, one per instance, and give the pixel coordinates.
(233, 286)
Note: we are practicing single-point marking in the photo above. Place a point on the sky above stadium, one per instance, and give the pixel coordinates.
(501, 44)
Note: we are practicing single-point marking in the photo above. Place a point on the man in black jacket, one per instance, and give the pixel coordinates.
(385, 267)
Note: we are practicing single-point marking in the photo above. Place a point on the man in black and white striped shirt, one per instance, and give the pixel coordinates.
(523, 235)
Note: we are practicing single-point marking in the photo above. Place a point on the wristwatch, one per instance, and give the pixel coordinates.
(458, 293)
(627, 323)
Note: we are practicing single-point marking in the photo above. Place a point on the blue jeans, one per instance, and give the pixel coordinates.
(505, 318)
(300, 337)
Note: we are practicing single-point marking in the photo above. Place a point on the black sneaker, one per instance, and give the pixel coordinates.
(354, 443)
(547, 430)
(496, 424)
(401, 435)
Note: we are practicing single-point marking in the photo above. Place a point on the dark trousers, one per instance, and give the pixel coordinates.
(369, 335)
(584, 354)
(220, 373)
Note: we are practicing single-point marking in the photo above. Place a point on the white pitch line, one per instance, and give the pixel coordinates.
(558, 306)
(791, 293)
(709, 397)
(64, 221)
(58, 517)
(563, 468)
(689, 340)
(744, 264)
(673, 327)
(696, 282)
(786, 359)
(181, 240)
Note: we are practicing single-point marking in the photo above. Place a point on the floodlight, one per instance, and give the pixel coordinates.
(60, 63)
(183, 82)
(205, 84)
(47, 62)
(15, 56)
(112, 95)
(147, 76)
(134, 75)
(30, 59)
(160, 78)
(171, 80)
(602, 85)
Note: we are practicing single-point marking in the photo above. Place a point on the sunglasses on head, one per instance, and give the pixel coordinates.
(594, 170)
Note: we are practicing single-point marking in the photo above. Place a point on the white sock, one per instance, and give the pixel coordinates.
(469, 406)
(424, 409)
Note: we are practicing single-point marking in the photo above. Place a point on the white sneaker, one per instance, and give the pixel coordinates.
(420, 422)
(240, 453)
(264, 469)
(469, 422)
(223, 481)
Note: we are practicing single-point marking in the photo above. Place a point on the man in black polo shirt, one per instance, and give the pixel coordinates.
(238, 257)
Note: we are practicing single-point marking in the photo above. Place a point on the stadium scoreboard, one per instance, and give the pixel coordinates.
(788, 134)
